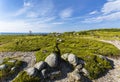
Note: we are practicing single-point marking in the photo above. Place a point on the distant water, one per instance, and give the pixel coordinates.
(11, 33)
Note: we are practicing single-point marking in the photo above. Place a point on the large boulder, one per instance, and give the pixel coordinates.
(65, 56)
(40, 65)
(52, 60)
(2, 67)
(31, 71)
(72, 59)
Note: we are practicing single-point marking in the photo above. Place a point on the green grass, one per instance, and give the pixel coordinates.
(85, 45)
(23, 77)
(7, 72)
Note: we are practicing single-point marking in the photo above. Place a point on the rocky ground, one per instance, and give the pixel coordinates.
(28, 57)
(112, 75)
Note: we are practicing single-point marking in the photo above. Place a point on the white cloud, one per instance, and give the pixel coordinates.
(93, 12)
(111, 6)
(66, 13)
(109, 12)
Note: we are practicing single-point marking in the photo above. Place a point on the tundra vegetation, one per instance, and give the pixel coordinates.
(84, 44)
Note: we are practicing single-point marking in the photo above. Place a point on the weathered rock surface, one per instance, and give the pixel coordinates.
(73, 59)
(52, 60)
(40, 65)
(31, 71)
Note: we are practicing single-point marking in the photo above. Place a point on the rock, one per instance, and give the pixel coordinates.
(65, 56)
(52, 60)
(12, 61)
(73, 59)
(2, 67)
(86, 73)
(44, 73)
(31, 71)
(75, 76)
(55, 74)
(40, 65)
(79, 67)
(13, 68)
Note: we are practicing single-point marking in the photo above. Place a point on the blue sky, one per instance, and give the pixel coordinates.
(58, 15)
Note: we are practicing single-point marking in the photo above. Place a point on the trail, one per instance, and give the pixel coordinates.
(114, 74)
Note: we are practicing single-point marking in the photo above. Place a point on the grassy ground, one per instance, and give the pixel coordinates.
(85, 45)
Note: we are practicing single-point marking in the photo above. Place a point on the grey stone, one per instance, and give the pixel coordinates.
(86, 73)
(75, 76)
(40, 65)
(44, 73)
(55, 74)
(13, 68)
(65, 56)
(79, 67)
(12, 61)
(73, 59)
(52, 60)
(2, 67)
(31, 71)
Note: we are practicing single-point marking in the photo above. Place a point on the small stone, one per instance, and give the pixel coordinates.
(52, 60)
(65, 56)
(86, 73)
(2, 67)
(12, 61)
(75, 76)
(13, 68)
(73, 59)
(31, 71)
(44, 73)
(79, 67)
(40, 65)
(55, 74)
(1, 61)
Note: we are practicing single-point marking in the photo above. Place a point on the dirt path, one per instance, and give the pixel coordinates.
(24, 56)
(114, 74)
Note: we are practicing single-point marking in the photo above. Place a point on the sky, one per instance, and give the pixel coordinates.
(58, 15)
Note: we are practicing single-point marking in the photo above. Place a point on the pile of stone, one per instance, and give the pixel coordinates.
(50, 68)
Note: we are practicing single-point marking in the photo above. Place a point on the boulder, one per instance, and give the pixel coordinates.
(65, 56)
(31, 71)
(72, 59)
(52, 60)
(40, 65)
(86, 73)
(2, 67)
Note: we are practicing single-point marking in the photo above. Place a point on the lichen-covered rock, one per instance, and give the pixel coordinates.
(65, 56)
(2, 67)
(31, 71)
(52, 60)
(40, 65)
(86, 73)
(72, 59)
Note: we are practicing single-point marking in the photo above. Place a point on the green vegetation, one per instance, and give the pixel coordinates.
(23, 77)
(85, 45)
(7, 71)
